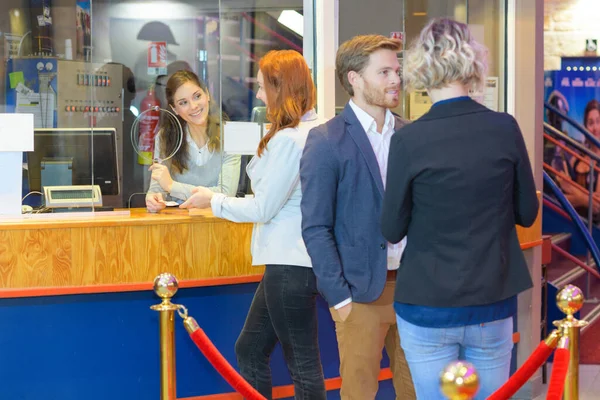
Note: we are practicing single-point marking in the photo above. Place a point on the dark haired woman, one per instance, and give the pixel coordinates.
(199, 161)
(579, 168)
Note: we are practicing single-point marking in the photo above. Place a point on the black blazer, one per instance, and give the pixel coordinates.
(458, 180)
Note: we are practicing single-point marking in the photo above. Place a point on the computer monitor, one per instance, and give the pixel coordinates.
(74, 156)
(259, 115)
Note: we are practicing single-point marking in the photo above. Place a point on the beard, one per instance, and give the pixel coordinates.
(378, 97)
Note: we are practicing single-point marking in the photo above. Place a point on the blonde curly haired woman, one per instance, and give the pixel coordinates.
(458, 181)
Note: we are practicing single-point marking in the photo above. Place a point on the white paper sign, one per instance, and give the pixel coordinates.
(419, 104)
(489, 96)
(16, 136)
(40, 105)
(11, 165)
(16, 132)
(241, 137)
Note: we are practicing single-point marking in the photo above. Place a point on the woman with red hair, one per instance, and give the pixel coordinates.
(284, 305)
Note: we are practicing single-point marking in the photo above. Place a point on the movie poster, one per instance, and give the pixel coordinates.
(570, 92)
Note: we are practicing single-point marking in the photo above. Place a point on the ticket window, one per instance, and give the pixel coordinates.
(106, 79)
(221, 41)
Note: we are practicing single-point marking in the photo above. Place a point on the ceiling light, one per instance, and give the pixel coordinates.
(293, 20)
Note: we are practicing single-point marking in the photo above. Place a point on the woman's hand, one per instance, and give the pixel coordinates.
(568, 186)
(155, 202)
(162, 176)
(200, 198)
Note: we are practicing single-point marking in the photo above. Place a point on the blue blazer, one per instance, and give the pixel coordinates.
(342, 195)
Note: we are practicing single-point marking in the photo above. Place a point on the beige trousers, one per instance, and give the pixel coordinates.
(361, 338)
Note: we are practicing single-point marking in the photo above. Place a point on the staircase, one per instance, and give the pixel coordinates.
(562, 271)
(571, 235)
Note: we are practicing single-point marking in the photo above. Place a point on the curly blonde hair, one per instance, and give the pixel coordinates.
(445, 52)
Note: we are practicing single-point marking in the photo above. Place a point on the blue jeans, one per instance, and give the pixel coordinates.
(429, 350)
(284, 309)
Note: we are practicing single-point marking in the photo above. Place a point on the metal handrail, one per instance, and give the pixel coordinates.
(594, 159)
(556, 133)
(566, 148)
(566, 205)
(568, 180)
(588, 135)
(272, 32)
(551, 204)
(575, 260)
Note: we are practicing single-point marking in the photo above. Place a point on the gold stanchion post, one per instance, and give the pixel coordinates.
(570, 300)
(165, 286)
(459, 381)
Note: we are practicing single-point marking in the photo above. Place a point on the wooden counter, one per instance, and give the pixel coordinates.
(114, 253)
(121, 253)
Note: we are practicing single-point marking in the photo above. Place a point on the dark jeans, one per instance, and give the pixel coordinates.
(283, 310)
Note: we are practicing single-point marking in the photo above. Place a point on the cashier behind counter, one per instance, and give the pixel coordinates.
(198, 161)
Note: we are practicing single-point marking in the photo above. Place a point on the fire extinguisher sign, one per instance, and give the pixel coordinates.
(157, 58)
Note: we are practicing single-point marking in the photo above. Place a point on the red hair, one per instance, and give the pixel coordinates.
(290, 91)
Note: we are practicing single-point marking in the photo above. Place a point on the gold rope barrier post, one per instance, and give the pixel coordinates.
(459, 381)
(570, 300)
(165, 286)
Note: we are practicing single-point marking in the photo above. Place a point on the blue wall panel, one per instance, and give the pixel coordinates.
(103, 346)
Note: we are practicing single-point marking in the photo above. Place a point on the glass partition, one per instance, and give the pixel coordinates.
(405, 20)
(94, 74)
(248, 30)
(486, 19)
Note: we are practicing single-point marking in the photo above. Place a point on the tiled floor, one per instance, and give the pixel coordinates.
(589, 382)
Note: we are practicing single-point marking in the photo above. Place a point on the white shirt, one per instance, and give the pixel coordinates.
(381, 147)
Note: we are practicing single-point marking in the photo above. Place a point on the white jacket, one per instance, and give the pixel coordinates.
(275, 207)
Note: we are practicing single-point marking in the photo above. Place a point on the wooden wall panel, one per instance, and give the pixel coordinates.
(104, 254)
(34, 258)
(8, 258)
(533, 234)
(208, 249)
(238, 260)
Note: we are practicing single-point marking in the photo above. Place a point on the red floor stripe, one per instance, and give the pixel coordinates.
(282, 392)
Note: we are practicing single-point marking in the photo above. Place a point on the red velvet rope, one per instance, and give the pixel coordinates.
(223, 367)
(539, 356)
(560, 366)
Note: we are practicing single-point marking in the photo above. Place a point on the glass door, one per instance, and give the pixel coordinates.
(405, 19)
(486, 19)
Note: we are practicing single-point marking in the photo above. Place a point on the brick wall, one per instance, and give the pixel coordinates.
(567, 24)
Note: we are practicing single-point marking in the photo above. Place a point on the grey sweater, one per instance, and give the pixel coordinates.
(204, 169)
